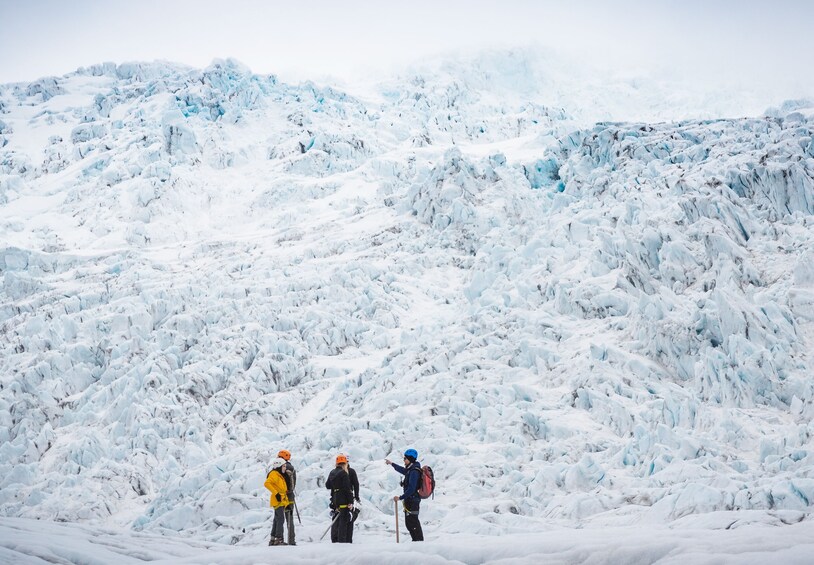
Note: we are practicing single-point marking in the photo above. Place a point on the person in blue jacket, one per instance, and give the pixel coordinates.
(410, 498)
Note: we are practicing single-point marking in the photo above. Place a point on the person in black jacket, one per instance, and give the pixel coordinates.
(290, 476)
(341, 500)
(410, 497)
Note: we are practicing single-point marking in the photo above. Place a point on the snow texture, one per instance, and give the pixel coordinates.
(575, 322)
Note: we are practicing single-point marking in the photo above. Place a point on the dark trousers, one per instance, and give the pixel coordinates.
(340, 530)
(411, 507)
(277, 524)
(289, 519)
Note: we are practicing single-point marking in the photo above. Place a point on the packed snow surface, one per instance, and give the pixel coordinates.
(719, 539)
(588, 305)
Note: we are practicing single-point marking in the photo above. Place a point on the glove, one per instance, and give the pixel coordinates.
(290, 495)
(278, 497)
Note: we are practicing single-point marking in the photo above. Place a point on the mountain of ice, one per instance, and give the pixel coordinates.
(594, 321)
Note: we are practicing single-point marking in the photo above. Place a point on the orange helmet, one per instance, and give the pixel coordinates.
(285, 454)
(341, 459)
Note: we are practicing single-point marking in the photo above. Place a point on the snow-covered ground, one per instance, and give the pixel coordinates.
(587, 302)
(719, 538)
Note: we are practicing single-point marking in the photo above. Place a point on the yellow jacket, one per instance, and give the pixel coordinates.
(275, 482)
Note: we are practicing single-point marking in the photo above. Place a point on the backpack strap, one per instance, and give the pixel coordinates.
(410, 469)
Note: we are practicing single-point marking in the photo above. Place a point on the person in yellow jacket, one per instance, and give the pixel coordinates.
(276, 483)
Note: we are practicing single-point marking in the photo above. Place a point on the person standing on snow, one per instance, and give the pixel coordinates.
(354, 483)
(341, 500)
(410, 497)
(276, 483)
(290, 476)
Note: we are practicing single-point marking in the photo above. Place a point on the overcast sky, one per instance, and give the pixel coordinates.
(699, 39)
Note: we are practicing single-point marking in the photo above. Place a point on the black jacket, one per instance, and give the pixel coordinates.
(290, 476)
(341, 490)
(354, 482)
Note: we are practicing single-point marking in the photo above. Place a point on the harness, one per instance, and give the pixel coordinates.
(408, 512)
(333, 495)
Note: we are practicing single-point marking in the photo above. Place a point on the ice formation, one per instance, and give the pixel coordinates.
(568, 319)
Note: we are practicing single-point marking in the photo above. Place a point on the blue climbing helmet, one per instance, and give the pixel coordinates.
(411, 453)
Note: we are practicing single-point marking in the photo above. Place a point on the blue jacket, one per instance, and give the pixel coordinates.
(412, 473)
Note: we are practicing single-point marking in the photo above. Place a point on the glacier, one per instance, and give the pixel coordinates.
(585, 305)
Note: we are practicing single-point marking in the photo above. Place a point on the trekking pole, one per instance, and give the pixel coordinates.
(396, 504)
(329, 527)
(297, 510)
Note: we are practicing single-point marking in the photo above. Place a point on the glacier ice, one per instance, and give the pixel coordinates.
(565, 318)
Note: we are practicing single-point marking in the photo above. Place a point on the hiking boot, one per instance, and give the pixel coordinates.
(277, 541)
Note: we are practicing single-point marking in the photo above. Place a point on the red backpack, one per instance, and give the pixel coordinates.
(426, 483)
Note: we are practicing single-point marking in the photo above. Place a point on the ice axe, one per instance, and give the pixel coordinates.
(396, 504)
(329, 527)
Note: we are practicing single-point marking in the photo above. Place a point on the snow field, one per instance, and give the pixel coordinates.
(572, 321)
